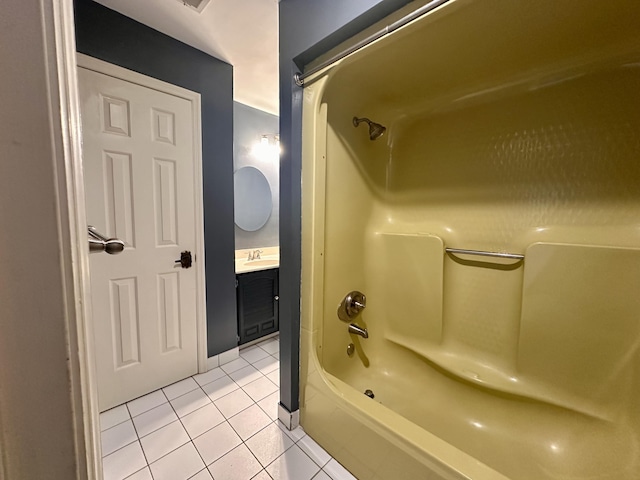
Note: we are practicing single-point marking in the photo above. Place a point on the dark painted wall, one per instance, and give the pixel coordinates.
(249, 124)
(308, 28)
(112, 37)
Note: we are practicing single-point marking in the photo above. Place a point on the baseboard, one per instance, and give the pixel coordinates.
(291, 420)
(222, 358)
(229, 355)
(259, 340)
(213, 362)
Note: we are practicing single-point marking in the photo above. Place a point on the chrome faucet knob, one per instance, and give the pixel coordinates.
(351, 306)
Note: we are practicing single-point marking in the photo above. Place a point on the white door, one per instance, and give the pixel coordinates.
(138, 160)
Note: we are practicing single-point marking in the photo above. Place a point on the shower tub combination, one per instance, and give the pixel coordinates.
(494, 230)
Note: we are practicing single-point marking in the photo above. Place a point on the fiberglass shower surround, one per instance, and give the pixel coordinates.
(495, 231)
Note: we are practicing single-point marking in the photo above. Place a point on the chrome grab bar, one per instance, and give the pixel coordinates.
(100, 243)
(482, 253)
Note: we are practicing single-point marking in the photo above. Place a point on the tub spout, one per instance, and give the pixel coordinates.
(356, 330)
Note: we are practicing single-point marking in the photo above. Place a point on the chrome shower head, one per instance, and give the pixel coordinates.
(375, 129)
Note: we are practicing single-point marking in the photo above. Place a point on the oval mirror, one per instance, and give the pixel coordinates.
(252, 196)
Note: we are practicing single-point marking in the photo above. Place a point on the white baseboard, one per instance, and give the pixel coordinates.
(222, 358)
(291, 420)
(212, 362)
(229, 355)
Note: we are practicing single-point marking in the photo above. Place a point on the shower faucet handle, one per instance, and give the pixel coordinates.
(351, 306)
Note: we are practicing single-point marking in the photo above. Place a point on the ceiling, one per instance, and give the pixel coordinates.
(243, 33)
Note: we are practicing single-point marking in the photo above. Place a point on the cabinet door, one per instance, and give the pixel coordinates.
(257, 304)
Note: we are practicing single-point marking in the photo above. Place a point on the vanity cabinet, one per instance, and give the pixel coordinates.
(257, 297)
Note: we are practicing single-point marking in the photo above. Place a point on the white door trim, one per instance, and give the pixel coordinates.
(115, 71)
(63, 85)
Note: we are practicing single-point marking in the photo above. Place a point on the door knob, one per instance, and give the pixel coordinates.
(185, 259)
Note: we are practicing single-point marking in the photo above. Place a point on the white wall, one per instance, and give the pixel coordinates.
(40, 408)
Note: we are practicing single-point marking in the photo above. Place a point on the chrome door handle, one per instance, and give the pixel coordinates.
(100, 243)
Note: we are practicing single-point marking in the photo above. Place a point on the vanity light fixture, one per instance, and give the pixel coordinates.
(268, 149)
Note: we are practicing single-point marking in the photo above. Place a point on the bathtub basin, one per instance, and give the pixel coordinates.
(521, 142)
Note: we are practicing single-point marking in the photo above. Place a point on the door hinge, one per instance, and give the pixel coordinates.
(236, 283)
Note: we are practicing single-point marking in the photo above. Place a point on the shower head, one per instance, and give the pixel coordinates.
(375, 129)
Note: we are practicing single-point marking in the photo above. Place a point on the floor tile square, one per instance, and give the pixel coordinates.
(113, 417)
(202, 475)
(253, 354)
(249, 421)
(268, 444)
(314, 451)
(263, 475)
(234, 365)
(238, 464)
(180, 464)
(164, 440)
(321, 475)
(270, 405)
(203, 419)
(337, 471)
(219, 388)
(214, 443)
(210, 376)
(274, 376)
(117, 437)
(271, 346)
(245, 375)
(180, 388)
(233, 403)
(190, 402)
(293, 465)
(267, 365)
(258, 389)
(146, 402)
(144, 474)
(124, 462)
(154, 419)
(276, 355)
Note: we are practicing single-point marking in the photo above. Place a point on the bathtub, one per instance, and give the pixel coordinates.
(512, 127)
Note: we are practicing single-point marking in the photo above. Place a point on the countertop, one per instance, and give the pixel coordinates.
(269, 258)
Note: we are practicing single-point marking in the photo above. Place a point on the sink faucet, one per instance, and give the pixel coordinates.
(255, 255)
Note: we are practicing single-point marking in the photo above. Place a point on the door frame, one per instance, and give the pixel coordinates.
(100, 66)
(59, 49)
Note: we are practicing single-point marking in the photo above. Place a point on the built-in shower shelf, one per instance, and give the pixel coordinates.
(484, 253)
(492, 378)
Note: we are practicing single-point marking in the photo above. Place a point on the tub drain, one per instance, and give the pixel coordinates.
(369, 393)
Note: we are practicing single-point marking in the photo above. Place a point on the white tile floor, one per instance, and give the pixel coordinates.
(219, 425)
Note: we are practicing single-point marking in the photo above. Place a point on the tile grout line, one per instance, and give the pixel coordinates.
(226, 420)
(186, 431)
(244, 442)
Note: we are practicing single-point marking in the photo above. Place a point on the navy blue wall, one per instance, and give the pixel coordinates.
(308, 28)
(114, 38)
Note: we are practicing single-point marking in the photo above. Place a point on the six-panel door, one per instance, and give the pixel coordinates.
(139, 176)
